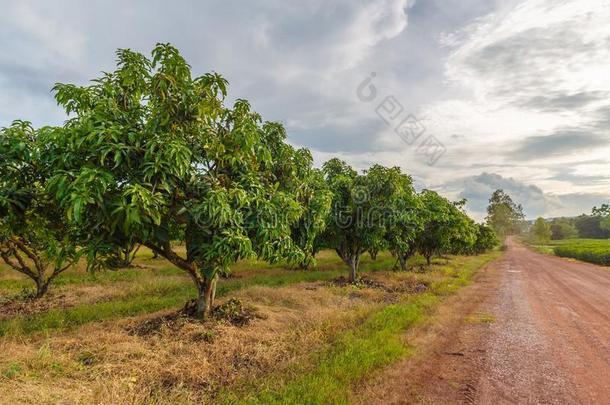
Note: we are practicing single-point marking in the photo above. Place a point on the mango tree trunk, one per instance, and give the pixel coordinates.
(403, 262)
(42, 286)
(206, 286)
(206, 295)
(352, 261)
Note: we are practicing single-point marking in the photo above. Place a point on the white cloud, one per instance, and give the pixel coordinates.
(531, 81)
(505, 74)
(53, 39)
(373, 23)
(540, 45)
(477, 190)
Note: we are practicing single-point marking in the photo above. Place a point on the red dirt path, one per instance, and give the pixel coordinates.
(547, 339)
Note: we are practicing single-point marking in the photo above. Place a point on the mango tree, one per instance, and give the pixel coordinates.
(445, 225)
(294, 171)
(316, 198)
(464, 230)
(486, 239)
(406, 220)
(359, 213)
(34, 240)
(151, 152)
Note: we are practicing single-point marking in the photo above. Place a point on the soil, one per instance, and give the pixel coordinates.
(532, 329)
(30, 306)
(232, 312)
(408, 286)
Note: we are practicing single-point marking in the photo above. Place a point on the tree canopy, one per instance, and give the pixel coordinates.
(312, 192)
(363, 209)
(504, 216)
(563, 228)
(445, 226)
(541, 230)
(150, 152)
(406, 221)
(603, 212)
(485, 239)
(590, 226)
(34, 239)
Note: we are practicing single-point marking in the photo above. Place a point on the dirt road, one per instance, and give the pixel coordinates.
(534, 329)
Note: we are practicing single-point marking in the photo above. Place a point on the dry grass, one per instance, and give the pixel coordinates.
(78, 298)
(104, 363)
(191, 362)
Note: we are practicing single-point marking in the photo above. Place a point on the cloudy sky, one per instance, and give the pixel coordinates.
(506, 94)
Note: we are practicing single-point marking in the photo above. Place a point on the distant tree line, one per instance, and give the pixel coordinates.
(506, 217)
(593, 226)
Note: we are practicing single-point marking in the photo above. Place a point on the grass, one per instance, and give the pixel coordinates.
(331, 373)
(12, 282)
(589, 250)
(151, 291)
(145, 267)
(161, 296)
(313, 343)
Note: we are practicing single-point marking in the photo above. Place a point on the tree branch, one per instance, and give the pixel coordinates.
(19, 243)
(23, 247)
(176, 260)
(58, 270)
(21, 268)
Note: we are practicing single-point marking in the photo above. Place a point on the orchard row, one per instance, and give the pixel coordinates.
(150, 155)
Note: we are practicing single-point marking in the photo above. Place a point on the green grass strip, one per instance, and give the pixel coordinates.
(357, 353)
